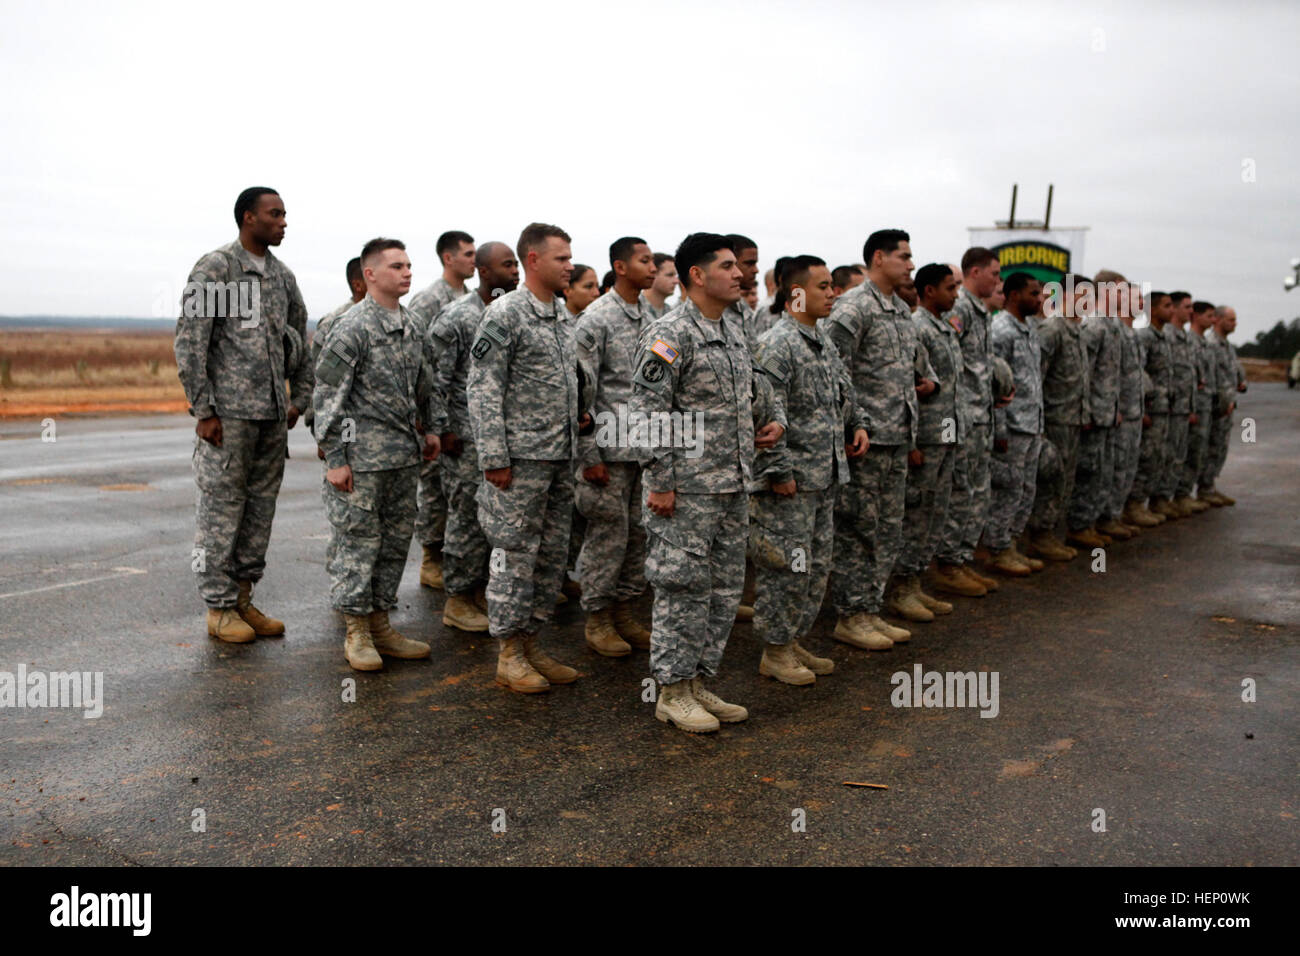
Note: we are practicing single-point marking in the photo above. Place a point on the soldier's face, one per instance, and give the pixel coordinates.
(720, 278)
(1228, 322)
(461, 262)
(996, 299)
(666, 278)
(582, 293)
(1183, 311)
(1161, 310)
(267, 220)
(748, 262)
(907, 292)
(389, 273)
(1031, 298)
(552, 264)
(896, 265)
(502, 271)
(944, 294)
(984, 280)
(818, 294)
(639, 267)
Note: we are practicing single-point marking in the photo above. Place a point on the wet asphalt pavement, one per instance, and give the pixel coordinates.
(1119, 691)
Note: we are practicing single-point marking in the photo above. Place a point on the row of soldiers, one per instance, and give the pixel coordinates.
(834, 423)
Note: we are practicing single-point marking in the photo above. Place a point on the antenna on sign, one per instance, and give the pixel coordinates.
(1011, 222)
(1047, 216)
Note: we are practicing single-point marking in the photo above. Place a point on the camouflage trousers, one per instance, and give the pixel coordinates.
(1175, 455)
(370, 535)
(1057, 462)
(1217, 454)
(968, 505)
(790, 542)
(1093, 478)
(1198, 441)
(613, 549)
(237, 486)
(868, 529)
(465, 547)
(1014, 475)
(1128, 451)
(1152, 458)
(925, 507)
(527, 527)
(431, 525)
(696, 562)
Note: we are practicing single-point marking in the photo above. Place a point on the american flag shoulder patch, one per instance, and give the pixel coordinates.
(664, 351)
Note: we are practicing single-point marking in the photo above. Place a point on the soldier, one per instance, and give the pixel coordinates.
(767, 313)
(1157, 363)
(1231, 378)
(1095, 474)
(374, 395)
(791, 510)
(1019, 427)
(240, 306)
(940, 430)
(844, 278)
(357, 285)
(1203, 402)
(907, 292)
(877, 339)
(523, 411)
(665, 284)
(969, 502)
(1182, 414)
(1122, 304)
(693, 386)
(456, 253)
(608, 489)
(742, 310)
(465, 551)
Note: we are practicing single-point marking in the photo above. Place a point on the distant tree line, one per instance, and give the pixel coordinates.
(1280, 342)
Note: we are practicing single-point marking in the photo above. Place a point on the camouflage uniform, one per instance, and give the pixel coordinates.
(1157, 361)
(968, 504)
(1065, 411)
(1095, 475)
(235, 367)
(465, 548)
(613, 555)
(740, 314)
(317, 339)
(1128, 433)
(940, 430)
(1014, 473)
(879, 344)
(1198, 435)
(523, 409)
(700, 371)
(430, 526)
(1183, 389)
(654, 314)
(1228, 375)
(764, 318)
(791, 539)
(373, 387)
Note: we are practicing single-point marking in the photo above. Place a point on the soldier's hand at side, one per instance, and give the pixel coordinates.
(585, 423)
(769, 435)
(451, 444)
(432, 446)
(1192, 419)
(662, 503)
(1087, 427)
(1000, 445)
(596, 475)
(860, 444)
(500, 477)
(292, 415)
(916, 458)
(1146, 421)
(924, 387)
(320, 452)
(1006, 401)
(1119, 417)
(209, 429)
(1232, 407)
(340, 477)
(1241, 386)
(785, 489)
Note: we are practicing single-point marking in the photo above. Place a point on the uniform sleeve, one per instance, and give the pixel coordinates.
(194, 336)
(774, 368)
(335, 371)
(489, 371)
(654, 386)
(303, 378)
(445, 348)
(845, 328)
(1048, 344)
(433, 407)
(589, 341)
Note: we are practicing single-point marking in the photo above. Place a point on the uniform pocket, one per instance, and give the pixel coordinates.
(677, 531)
(350, 512)
(501, 515)
(211, 467)
(596, 503)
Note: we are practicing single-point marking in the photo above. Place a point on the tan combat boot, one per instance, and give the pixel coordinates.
(933, 603)
(1150, 513)
(1183, 505)
(715, 705)
(778, 661)
(1226, 499)
(262, 625)
(972, 573)
(514, 670)
(1210, 498)
(896, 634)
(1197, 505)
(1045, 545)
(393, 643)
(677, 706)
(1165, 508)
(949, 580)
(1087, 538)
(358, 647)
(571, 588)
(856, 631)
(431, 568)
(1135, 514)
(225, 624)
(547, 666)
(744, 613)
(1006, 562)
(629, 628)
(818, 665)
(462, 613)
(1114, 529)
(1034, 563)
(602, 637)
(905, 604)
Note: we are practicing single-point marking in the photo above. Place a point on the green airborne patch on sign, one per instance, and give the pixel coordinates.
(1045, 261)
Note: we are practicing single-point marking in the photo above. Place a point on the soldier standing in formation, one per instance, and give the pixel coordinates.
(1132, 407)
(1182, 414)
(1231, 378)
(1157, 363)
(1198, 433)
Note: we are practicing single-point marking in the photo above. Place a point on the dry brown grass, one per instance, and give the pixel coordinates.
(1264, 370)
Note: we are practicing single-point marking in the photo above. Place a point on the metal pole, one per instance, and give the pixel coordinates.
(1047, 216)
(1011, 223)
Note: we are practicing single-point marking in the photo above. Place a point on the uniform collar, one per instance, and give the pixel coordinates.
(974, 301)
(387, 321)
(890, 303)
(245, 258)
(711, 331)
(926, 315)
(539, 308)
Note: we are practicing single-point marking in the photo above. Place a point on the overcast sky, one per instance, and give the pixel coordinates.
(129, 129)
